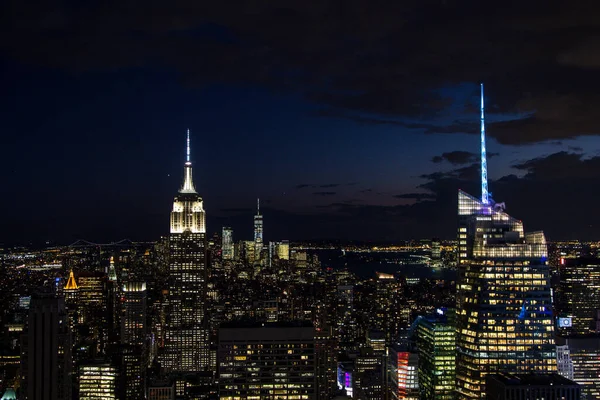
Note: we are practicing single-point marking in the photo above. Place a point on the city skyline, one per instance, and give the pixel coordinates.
(368, 141)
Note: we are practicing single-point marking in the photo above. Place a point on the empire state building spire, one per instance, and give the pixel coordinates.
(188, 182)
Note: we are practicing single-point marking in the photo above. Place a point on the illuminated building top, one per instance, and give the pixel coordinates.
(112, 273)
(188, 210)
(484, 180)
(71, 283)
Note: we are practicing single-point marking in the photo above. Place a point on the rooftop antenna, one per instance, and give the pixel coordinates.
(257, 206)
(188, 148)
(484, 180)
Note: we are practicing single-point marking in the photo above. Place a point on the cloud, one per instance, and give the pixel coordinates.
(324, 193)
(457, 157)
(542, 195)
(416, 196)
(310, 185)
(379, 63)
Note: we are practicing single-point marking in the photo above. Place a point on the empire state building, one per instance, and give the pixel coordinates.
(186, 343)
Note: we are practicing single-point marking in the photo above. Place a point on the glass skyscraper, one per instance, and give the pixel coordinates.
(436, 342)
(227, 246)
(186, 343)
(504, 309)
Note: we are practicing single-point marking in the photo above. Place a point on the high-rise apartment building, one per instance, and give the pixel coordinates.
(436, 343)
(46, 359)
(227, 246)
(504, 317)
(266, 360)
(186, 346)
(97, 381)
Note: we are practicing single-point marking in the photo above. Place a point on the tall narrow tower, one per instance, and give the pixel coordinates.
(504, 308)
(258, 232)
(484, 180)
(186, 343)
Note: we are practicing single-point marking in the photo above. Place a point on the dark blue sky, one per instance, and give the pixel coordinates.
(347, 131)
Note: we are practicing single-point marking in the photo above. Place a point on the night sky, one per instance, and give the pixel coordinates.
(349, 119)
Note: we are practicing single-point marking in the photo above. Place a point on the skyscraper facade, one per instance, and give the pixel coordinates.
(134, 313)
(186, 345)
(267, 360)
(227, 246)
(97, 381)
(47, 361)
(504, 317)
(578, 295)
(436, 342)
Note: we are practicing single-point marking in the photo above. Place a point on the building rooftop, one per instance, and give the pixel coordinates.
(259, 324)
(532, 379)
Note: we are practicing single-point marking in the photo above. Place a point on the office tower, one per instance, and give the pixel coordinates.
(346, 323)
(368, 374)
(531, 386)
(161, 391)
(114, 303)
(248, 248)
(403, 379)
(436, 343)
(326, 356)
(134, 329)
(134, 361)
(258, 232)
(112, 271)
(385, 316)
(97, 381)
(266, 360)
(227, 243)
(186, 342)
(71, 293)
(578, 295)
(93, 316)
(584, 351)
(46, 359)
(436, 253)
(283, 250)
(504, 318)
(564, 363)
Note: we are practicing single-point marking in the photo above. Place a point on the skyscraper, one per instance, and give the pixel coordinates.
(47, 361)
(134, 313)
(258, 232)
(267, 360)
(578, 295)
(227, 243)
(504, 317)
(436, 342)
(97, 381)
(186, 344)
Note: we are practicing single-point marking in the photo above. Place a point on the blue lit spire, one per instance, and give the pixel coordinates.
(484, 180)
